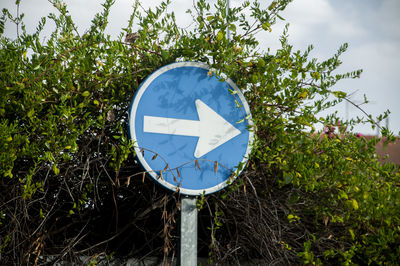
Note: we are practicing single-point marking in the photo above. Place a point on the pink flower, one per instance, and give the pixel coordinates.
(329, 131)
(359, 135)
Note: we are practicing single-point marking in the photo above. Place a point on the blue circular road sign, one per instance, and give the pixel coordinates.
(190, 128)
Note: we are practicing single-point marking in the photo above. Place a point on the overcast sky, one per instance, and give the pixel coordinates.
(370, 27)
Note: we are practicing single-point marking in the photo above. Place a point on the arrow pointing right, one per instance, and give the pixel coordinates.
(211, 128)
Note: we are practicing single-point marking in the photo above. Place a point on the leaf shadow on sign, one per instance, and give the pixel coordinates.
(173, 94)
(178, 89)
(178, 149)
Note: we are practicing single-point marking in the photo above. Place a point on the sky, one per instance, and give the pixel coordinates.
(370, 27)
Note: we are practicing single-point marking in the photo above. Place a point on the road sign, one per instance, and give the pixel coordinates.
(190, 128)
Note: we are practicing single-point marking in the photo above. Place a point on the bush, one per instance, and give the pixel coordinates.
(71, 186)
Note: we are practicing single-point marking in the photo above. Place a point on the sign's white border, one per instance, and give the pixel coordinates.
(132, 116)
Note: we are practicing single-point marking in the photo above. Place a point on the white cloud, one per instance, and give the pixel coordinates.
(388, 19)
(311, 12)
(317, 20)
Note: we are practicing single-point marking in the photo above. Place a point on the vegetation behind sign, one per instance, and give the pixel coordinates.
(70, 185)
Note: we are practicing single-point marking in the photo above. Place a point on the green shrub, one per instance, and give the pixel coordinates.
(307, 196)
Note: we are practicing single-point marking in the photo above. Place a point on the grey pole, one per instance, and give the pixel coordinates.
(188, 243)
(387, 123)
(228, 34)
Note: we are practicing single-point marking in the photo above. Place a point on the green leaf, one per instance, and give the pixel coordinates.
(261, 62)
(31, 113)
(56, 170)
(232, 91)
(343, 195)
(254, 78)
(281, 18)
(240, 121)
(266, 26)
(220, 35)
(41, 214)
(303, 94)
(287, 178)
(339, 94)
(272, 5)
(85, 93)
(352, 234)
(354, 203)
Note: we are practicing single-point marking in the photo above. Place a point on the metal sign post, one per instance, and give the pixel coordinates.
(188, 240)
(228, 34)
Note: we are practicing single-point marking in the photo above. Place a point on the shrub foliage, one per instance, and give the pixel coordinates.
(70, 184)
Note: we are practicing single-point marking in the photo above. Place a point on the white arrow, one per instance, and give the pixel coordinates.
(212, 129)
